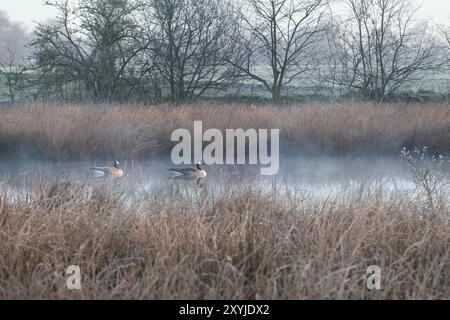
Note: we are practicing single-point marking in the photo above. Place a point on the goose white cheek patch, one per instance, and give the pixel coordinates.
(237, 146)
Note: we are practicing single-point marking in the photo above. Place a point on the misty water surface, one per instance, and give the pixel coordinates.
(304, 177)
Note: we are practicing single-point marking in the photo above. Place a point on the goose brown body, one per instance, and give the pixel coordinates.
(188, 173)
(113, 172)
(196, 173)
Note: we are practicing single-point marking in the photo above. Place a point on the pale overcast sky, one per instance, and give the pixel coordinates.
(28, 11)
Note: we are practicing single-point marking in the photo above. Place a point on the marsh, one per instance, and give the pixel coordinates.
(335, 160)
(309, 177)
(310, 232)
(342, 200)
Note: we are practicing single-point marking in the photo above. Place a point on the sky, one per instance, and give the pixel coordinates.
(26, 11)
(29, 11)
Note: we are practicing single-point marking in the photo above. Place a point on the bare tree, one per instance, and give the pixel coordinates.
(13, 37)
(13, 75)
(191, 43)
(444, 31)
(280, 34)
(90, 46)
(380, 47)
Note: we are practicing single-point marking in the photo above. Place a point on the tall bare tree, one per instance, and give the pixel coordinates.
(279, 35)
(91, 44)
(192, 40)
(379, 47)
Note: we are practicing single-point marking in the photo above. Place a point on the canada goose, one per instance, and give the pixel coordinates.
(195, 173)
(113, 172)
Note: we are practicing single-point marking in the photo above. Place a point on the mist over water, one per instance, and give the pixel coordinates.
(310, 178)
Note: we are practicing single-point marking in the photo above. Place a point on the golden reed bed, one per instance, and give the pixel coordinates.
(126, 131)
(245, 244)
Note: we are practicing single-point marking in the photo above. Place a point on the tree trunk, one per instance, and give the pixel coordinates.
(276, 94)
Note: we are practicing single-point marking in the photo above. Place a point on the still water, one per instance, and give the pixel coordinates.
(304, 177)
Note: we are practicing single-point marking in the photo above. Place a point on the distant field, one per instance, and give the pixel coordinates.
(126, 131)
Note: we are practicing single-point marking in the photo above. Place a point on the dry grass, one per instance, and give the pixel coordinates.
(86, 132)
(241, 245)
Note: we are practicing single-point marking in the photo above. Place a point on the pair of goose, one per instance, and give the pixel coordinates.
(115, 172)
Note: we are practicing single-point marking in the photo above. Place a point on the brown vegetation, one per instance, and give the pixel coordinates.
(245, 244)
(86, 132)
